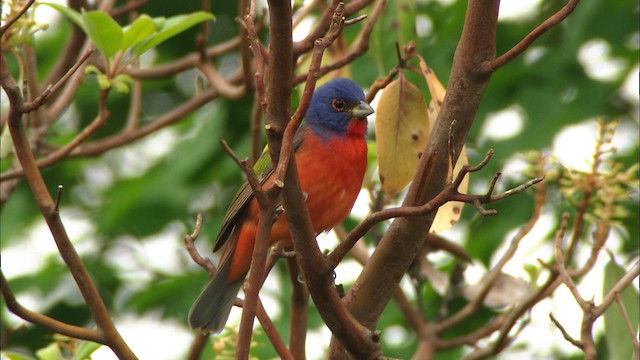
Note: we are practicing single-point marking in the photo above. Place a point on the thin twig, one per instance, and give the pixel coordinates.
(303, 46)
(128, 7)
(189, 243)
(52, 89)
(560, 264)
(255, 277)
(251, 176)
(564, 332)
(58, 198)
(618, 288)
(490, 278)
(248, 22)
(380, 84)
(125, 137)
(589, 313)
(519, 48)
(245, 50)
(18, 16)
(299, 313)
(198, 345)
(61, 153)
(256, 135)
(186, 62)
(359, 46)
(449, 193)
(272, 333)
(218, 82)
(44, 321)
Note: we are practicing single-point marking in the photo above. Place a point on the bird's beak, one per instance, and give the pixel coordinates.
(361, 110)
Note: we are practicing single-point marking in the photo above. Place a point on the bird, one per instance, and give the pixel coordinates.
(331, 156)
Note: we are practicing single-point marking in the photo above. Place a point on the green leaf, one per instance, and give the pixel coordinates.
(616, 335)
(68, 12)
(135, 33)
(104, 32)
(397, 26)
(159, 21)
(92, 69)
(51, 352)
(402, 132)
(121, 82)
(12, 355)
(172, 27)
(85, 349)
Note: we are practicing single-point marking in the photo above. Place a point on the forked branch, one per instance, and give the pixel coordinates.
(449, 193)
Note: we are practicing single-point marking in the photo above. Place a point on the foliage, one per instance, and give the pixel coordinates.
(133, 185)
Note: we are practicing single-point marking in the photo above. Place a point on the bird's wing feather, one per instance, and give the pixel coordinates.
(263, 168)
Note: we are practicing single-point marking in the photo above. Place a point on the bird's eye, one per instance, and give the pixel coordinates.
(339, 105)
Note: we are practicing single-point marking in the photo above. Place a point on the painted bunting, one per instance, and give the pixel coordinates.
(331, 156)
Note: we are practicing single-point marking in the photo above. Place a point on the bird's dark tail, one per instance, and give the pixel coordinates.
(211, 310)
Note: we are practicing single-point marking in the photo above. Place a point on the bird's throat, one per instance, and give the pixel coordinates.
(357, 127)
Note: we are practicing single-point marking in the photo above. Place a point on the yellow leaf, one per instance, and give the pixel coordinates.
(449, 213)
(402, 132)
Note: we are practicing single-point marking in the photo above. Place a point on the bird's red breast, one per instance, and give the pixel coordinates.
(331, 170)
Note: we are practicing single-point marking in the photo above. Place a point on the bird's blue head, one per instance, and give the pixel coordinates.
(334, 104)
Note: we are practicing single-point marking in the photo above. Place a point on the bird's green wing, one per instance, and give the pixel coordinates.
(263, 169)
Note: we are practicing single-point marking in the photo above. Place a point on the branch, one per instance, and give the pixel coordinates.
(248, 24)
(303, 46)
(299, 311)
(189, 243)
(380, 84)
(72, 47)
(519, 48)
(374, 287)
(251, 176)
(45, 321)
(63, 98)
(186, 62)
(618, 288)
(564, 332)
(46, 204)
(52, 89)
(197, 344)
(256, 135)
(257, 272)
(359, 47)
(200, 341)
(245, 50)
(491, 277)
(128, 7)
(448, 193)
(125, 137)
(361, 342)
(560, 266)
(218, 82)
(588, 307)
(61, 153)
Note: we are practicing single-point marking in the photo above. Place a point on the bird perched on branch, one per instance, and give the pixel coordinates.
(331, 156)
